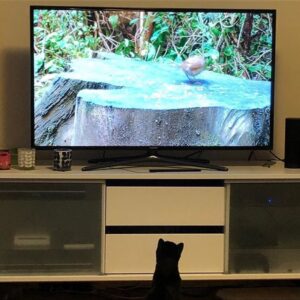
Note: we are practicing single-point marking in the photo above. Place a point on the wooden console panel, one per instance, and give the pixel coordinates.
(138, 215)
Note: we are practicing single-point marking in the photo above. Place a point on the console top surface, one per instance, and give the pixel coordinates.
(236, 171)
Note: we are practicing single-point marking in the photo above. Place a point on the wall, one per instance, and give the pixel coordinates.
(15, 61)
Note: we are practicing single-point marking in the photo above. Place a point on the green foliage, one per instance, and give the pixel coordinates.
(238, 44)
(126, 48)
(60, 36)
(114, 20)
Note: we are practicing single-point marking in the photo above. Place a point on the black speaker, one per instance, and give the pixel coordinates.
(292, 143)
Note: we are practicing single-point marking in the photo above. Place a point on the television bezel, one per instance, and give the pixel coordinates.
(155, 9)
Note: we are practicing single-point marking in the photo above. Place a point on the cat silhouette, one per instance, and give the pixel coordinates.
(166, 278)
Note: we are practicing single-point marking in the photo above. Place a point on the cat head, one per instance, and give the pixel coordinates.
(168, 250)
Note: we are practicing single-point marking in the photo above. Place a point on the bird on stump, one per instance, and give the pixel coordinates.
(193, 66)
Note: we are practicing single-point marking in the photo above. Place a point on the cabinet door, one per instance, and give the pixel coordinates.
(161, 205)
(135, 253)
(264, 234)
(50, 227)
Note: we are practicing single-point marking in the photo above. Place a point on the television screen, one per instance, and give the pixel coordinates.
(184, 78)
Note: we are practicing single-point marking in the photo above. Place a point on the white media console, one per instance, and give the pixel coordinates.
(104, 225)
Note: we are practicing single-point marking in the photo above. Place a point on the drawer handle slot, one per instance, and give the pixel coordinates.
(164, 229)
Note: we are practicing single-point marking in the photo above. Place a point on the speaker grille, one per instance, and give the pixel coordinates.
(292, 143)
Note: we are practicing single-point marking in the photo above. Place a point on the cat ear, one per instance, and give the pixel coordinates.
(180, 248)
(160, 242)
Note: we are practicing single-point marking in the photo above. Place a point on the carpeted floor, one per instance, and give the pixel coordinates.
(276, 290)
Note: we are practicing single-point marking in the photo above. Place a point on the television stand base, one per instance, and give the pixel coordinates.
(153, 158)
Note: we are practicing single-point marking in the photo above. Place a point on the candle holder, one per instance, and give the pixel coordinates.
(62, 159)
(5, 159)
(26, 158)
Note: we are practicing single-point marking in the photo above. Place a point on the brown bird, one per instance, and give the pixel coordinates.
(193, 66)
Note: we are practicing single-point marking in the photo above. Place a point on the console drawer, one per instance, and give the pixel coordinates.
(156, 205)
(135, 253)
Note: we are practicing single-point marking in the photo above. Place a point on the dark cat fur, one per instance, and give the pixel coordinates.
(166, 279)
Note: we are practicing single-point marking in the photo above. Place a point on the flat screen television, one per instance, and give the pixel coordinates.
(131, 78)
